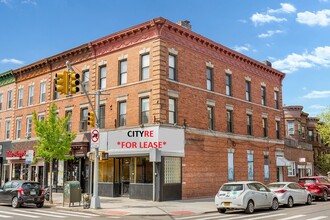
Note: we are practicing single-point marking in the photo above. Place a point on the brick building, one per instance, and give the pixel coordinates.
(212, 114)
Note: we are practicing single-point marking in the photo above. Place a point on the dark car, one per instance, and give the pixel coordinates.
(17, 192)
(319, 186)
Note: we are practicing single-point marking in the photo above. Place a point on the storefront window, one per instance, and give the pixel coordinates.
(143, 170)
(106, 170)
(172, 170)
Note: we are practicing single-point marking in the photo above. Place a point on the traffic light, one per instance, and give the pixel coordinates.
(74, 82)
(61, 82)
(91, 119)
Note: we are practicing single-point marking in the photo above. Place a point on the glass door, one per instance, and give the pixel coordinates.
(125, 175)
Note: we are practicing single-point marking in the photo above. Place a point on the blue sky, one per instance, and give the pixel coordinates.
(293, 35)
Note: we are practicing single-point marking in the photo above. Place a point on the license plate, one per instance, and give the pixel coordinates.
(32, 193)
(226, 204)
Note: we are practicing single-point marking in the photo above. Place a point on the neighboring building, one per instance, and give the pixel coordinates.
(7, 88)
(179, 114)
(297, 150)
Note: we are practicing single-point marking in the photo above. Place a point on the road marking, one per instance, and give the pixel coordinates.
(292, 217)
(79, 213)
(13, 213)
(68, 213)
(216, 217)
(209, 216)
(38, 213)
(5, 216)
(262, 217)
(245, 216)
(318, 218)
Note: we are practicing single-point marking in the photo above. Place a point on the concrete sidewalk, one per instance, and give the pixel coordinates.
(126, 206)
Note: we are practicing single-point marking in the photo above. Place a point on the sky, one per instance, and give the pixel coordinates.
(293, 35)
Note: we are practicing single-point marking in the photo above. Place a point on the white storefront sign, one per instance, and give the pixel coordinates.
(140, 141)
(29, 156)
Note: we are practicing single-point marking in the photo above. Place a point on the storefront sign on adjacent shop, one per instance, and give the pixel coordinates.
(170, 141)
(29, 156)
(15, 155)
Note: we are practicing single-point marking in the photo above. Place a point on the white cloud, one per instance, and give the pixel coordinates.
(245, 47)
(259, 18)
(31, 2)
(269, 33)
(6, 2)
(317, 95)
(323, 0)
(320, 56)
(321, 18)
(13, 61)
(317, 106)
(285, 8)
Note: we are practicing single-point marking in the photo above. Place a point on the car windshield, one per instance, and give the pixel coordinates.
(31, 185)
(232, 187)
(276, 186)
(307, 181)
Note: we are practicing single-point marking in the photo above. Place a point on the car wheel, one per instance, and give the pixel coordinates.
(274, 204)
(290, 202)
(221, 210)
(15, 203)
(250, 207)
(40, 205)
(325, 195)
(309, 200)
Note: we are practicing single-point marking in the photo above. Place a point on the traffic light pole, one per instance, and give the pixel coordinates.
(95, 202)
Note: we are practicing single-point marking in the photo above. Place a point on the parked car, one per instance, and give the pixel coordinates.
(290, 193)
(17, 192)
(245, 195)
(319, 186)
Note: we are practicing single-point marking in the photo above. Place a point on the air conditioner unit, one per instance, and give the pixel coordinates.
(83, 126)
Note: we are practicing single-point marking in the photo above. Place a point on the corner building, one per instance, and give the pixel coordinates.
(179, 114)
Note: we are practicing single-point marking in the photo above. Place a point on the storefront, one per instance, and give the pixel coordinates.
(4, 168)
(142, 163)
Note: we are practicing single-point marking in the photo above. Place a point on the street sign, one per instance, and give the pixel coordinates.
(95, 137)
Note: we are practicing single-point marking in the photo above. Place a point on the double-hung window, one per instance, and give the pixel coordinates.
(264, 127)
(102, 116)
(1, 101)
(103, 77)
(20, 98)
(31, 95)
(211, 117)
(276, 99)
(229, 121)
(28, 126)
(228, 84)
(85, 79)
(7, 133)
(10, 99)
(18, 128)
(42, 92)
(172, 111)
(172, 69)
(69, 123)
(249, 124)
(145, 63)
(248, 91)
(122, 72)
(266, 167)
(144, 117)
(292, 169)
(122, 114)
(209, 78)
(263, 95)
(277, 125)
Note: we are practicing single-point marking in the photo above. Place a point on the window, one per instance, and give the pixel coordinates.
(102, 116)
(69, 123)
(83, 119)
(290, 127)
(28, 126)
(144, 112)
(7, 133)
(1, 101)
(263, 95)
(266, 167)
(172, 170)
(209, 79)
(277, 125)
(264, 126)
(85, 79)
(250, 166)
(211, 117)
(231, 175)
(143, 169)
(122, 114)
(103, 75)
(303, 132)
(20, 98)
(276, 99)
(56, 95)
(292, 169)
(172, 108)
(18, 128)
(145, 63)
(41, 117)
(249, 124)
(122, 72)
(42, 92)
(229, 121)
(31, 95)
(248, 91)
(310, 135)
(299, 128)
(228, 84)
(172, 67)
(9, 99)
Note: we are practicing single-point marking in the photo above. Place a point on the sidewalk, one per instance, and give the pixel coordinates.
(126, 206)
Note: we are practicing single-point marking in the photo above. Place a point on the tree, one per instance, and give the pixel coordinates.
(323, 163)
(323, 128)
(53, 139)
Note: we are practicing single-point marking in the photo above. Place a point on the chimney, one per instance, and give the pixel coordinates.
(268, 63)
(186, 24)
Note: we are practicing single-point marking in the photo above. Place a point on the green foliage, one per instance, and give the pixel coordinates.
(54, 141)
(323, 162)
(323, 128)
